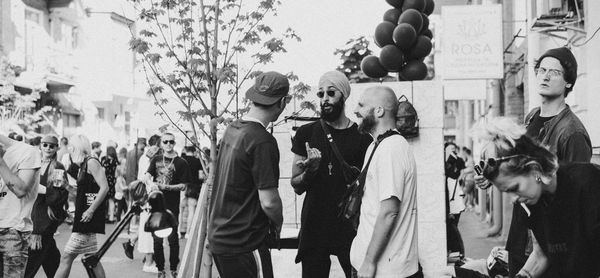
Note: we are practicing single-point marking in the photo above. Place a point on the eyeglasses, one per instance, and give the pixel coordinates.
(172, 142)
(330, 93)
(489, 167)
(551, 72)
(48, 145)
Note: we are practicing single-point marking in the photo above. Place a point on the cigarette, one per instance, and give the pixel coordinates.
(526, 209)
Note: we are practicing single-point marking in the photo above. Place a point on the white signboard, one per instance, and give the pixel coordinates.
(474, 89)
(472, 42)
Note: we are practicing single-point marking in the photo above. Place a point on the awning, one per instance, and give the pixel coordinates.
(66, 106)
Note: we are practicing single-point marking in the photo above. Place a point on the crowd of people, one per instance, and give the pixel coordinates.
(47, 182)
(555, 229)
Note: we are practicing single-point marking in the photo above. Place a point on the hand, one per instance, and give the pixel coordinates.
(162, 187)
(87, 215)
(313, 158)
(367, 270)
(35, 242)
(481, 182)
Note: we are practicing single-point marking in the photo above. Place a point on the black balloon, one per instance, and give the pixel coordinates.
(392, 15)
(395, 3)
(412, 17)
(414, 70)
(428, 33)
(421, 49)
(391, 58)
(413, 4)
(383, 33)
(404, 36)
(425, 22)
(429, 7)
(371, 66)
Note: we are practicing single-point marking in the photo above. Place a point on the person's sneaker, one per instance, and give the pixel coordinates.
(162, 274)
(150, 268)
(174, 273)
(128, 248)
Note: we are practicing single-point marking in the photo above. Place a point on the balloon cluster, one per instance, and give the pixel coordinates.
(405, 40)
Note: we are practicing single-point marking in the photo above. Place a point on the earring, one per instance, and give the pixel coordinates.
(538, 179)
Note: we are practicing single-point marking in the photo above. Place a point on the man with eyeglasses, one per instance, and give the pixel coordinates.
(170, 174)
(318, 172)
(556, 126)
(19, 180)
(246, 207)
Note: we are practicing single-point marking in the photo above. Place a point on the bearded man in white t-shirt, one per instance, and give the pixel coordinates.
(386, 241)
(19, 166)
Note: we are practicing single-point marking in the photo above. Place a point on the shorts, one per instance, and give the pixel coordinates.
(145, 242)
(81, 244)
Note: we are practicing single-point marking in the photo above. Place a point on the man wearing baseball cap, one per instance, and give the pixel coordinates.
(556, 126)
(245, 204)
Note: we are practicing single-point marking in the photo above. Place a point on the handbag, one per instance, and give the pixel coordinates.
(351, 201)
(349, 173)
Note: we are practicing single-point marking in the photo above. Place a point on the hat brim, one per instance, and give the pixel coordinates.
(253, 95)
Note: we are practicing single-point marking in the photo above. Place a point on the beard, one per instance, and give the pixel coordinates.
(367, 124)
(336, 110)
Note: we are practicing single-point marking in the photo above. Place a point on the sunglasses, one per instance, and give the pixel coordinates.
(330, 93)
(172, 142)
(489, 167)
(48, 145)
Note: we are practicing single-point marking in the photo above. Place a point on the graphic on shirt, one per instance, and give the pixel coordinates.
(89, 198)
(165, 171)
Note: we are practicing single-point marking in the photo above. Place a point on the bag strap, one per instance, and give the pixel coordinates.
(454, 191)
(363, 173)
(336, 151)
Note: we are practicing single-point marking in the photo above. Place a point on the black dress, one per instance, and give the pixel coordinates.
(87, 190)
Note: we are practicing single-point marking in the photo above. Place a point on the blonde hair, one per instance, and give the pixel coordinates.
(80, 147)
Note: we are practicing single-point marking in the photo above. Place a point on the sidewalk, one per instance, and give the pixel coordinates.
(477, 246)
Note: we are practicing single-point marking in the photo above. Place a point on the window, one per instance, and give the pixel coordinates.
(71, 120)
(100, 113)
(33, 32)
(450, 113)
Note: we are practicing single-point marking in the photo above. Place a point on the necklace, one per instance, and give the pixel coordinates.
(165, 164)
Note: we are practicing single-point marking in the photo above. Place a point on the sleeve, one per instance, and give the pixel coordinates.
(298, 142)
(32, 159)
(152, 167)
(265, 169)
(183, 172)
(390, 170)
(577, 148)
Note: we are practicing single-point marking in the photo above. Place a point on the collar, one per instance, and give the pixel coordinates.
(252, 119)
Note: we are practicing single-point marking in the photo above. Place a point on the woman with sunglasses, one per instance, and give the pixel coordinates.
(48, 211)
(562, 200)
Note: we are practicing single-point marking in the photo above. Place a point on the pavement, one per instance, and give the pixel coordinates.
(117, 265)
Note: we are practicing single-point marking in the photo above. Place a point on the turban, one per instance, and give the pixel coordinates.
(338, 80)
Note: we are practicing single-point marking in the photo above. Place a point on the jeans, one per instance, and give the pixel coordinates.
(13, 252)
(317, 263)
(47, 257)
(159, 253)
(245, 265)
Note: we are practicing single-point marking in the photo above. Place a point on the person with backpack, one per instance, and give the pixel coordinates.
(48, 211)
(318, 172)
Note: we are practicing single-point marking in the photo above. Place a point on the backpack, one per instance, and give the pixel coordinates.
(407, 120)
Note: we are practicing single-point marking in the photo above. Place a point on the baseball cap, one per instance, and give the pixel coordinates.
(50, 139)
(269, 87)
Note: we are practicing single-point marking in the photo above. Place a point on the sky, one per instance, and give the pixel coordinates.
(323, 27)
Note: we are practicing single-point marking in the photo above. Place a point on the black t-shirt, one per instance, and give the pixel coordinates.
(536, 125)
(193, 188)
(166, 170)
(567, 223)
(321, 226)
(248, 160)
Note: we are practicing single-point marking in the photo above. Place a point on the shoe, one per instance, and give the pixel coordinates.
(128, 248)
(150, 268)
(162, 274)
(174, 273)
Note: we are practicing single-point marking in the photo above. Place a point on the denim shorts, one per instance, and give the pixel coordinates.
(14, 252)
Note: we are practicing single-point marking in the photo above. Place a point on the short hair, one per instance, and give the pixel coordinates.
(264, 106)
(35, 141)
(167, 134)
(64, 141)
(96, 144)
(80, 147)
(189, 149)
(154, 140)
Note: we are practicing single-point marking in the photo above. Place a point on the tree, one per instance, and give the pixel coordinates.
(351, 55)
(190, 51)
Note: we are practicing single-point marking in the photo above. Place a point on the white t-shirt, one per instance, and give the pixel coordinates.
(14, 212)
(392, 173)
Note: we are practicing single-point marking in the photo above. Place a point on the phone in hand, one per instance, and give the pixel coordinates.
(478, 170)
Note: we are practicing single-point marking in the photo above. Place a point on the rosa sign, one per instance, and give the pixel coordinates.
(472, 42)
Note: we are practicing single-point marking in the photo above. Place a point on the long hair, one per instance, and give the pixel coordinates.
(112, 153)
(509, 138)
(80, 147)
